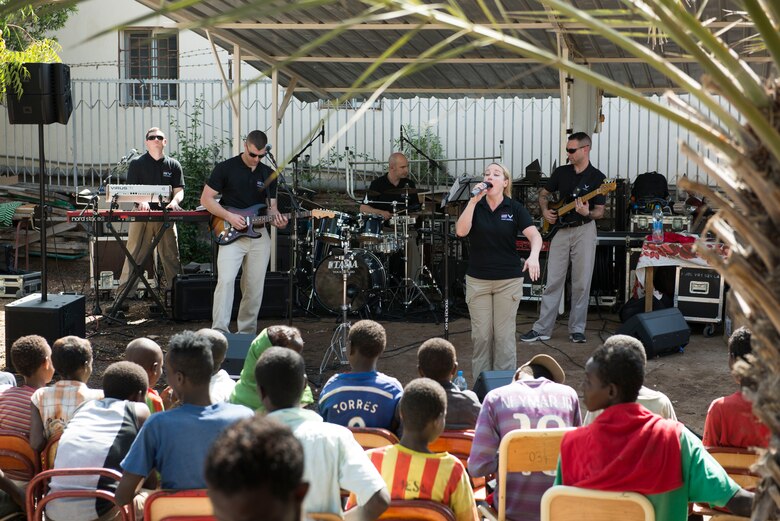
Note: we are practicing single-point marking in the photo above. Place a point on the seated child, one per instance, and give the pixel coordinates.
(175, 442)
(730, 420)
(99, 435)
(7, 380)
(254, 470)
(437, 360)
(147, 353)
(363, 397)
(31, 357)
(333, 460)
(53, 406)
(652, 400)
(410, 470)
(245, 392)
(221, 385)
(675, 467)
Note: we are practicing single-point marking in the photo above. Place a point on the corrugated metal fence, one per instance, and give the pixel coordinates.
(103, 129)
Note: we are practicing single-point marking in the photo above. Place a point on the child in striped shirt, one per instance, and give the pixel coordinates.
(409, 469)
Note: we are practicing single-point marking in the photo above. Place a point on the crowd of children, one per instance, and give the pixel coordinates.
(266, 450)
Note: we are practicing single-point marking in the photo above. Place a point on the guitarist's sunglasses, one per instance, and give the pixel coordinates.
(573, 150)
(255, 155)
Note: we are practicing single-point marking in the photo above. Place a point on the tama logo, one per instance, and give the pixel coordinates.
(342, 264)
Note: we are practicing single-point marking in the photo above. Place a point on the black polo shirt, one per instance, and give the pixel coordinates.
(240, 186)
(493, 251)
(147, 170)
(384, 201)
(569, 184)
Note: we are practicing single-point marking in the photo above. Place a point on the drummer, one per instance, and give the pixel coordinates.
(390, 187)
(383, 191)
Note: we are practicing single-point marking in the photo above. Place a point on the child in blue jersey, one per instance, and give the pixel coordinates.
(363, 397)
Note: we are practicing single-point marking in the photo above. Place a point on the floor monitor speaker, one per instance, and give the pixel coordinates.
(661, 332)
(238, 347)
(489, 380)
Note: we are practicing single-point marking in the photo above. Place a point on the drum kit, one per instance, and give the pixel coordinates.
(375, 259)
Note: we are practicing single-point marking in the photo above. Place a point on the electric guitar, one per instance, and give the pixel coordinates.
(563, 207)
(224, 233)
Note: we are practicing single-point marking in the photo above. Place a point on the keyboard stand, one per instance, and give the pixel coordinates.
(137, 272)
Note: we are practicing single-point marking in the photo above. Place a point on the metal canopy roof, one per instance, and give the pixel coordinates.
(329, 70)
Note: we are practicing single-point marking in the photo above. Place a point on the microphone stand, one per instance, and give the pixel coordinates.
(293, 268)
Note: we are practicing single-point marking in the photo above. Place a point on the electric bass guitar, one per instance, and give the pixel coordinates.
(565, 206)
(224, 233)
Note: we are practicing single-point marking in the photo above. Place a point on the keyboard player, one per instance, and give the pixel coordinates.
(154, 168)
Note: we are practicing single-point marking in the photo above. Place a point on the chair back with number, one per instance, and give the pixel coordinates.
(527, 450)
(574, 504)
(373, 438)
(417, 510)
(38, 496)
(179, 505)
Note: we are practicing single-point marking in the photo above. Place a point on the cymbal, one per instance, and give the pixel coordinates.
(359, 194)
(403, 191)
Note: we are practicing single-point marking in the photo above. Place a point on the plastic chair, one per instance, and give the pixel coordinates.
(417, 510)
(324, 516)
(736, 462)
(373, 438)
(458, 443)
(49, 452)
(178, 505)
(37, 496)
(17, 458)
(574, 504)
(524, 450)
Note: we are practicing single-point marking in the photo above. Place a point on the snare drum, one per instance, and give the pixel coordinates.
(370, 228)
(334, 229)
(390, 243)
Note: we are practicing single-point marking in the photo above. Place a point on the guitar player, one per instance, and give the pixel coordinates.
(576, 242)
(242, 181)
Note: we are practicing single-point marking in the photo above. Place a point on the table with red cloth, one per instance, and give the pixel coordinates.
(668, 254)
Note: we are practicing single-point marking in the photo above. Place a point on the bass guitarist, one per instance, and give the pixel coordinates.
(243, 181)
(576, 242)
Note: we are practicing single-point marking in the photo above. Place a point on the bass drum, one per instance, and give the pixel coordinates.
(367, 277)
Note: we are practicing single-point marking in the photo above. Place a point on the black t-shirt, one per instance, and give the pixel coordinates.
(493, 251)
(570, 184)
(384, 201)
(240, 186)
(147, 170)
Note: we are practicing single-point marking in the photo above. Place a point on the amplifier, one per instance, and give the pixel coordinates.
(672, 223)
(192, 296)
(699, 294)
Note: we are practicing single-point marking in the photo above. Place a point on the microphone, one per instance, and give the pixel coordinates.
(322, 134)
(269, 155)
(476, 191)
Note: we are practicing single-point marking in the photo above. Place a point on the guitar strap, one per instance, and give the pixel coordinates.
(573, 218)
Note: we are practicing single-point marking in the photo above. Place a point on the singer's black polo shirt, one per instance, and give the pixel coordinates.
(493, 251)
(240, 186)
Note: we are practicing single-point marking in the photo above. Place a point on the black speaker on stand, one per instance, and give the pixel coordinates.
(662, 332)
(45, 99)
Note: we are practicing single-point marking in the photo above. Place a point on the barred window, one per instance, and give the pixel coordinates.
(149, 54)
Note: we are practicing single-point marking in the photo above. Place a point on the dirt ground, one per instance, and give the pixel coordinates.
(691, 380)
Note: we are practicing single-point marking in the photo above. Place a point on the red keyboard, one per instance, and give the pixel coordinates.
(77, 216)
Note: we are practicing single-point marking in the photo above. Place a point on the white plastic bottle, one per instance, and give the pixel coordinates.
(460, 381)
(658, 224)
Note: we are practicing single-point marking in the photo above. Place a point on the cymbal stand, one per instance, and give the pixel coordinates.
(411, 291)
(338, 342)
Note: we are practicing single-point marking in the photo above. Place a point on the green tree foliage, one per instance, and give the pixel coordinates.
(428, 141)
(197, 161)
(23, 26)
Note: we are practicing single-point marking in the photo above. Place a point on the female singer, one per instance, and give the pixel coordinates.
(494, 280)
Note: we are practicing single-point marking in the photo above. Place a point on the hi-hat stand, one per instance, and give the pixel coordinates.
(338, 342)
